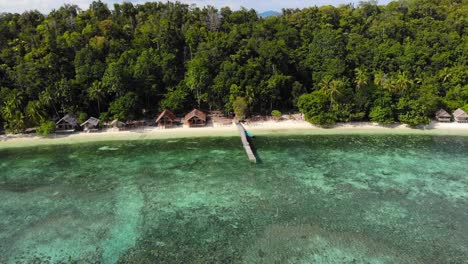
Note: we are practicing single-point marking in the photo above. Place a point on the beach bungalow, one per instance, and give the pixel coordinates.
(443, 116)
(166, 119)
(132, 124)
(90, 125)
(68, 123)
(117, 124)
(460, 116)
(196, 118)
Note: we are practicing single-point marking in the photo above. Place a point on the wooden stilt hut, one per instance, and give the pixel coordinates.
(90, 125)
(196, 118)
(443, 116)
(460, 116)
(166, 119)
(68, 123)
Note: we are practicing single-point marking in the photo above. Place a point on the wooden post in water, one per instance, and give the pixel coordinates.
(246, 144)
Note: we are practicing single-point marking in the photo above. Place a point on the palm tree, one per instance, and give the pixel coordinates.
(34, 112)
(445, 74)
(96, 92)
(362, 78)
(402, 82)
(13, 103)
(12, 113)
(380, 79)
(47, 99)
(331, 88)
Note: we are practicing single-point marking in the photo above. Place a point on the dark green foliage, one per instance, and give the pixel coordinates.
(316, 108)
(124, 107)
(323, 119)
(104, 117)
(82, 117)
(170, 55)
(382, 112)
(413, 112)
(382, 115)
(46, 128)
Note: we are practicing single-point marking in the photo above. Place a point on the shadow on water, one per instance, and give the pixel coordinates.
(254, 150)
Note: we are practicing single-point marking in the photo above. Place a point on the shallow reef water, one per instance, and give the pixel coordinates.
(311, 199)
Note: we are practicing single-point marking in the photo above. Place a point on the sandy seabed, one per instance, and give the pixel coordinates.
(259, 128)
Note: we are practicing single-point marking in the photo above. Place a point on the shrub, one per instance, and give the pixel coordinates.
(324, 120)
(413, 112)
(315, 108)
(82, 117)
(414, 118)
(276, 114)
(46, 128)
(382, 115)
(240, 108)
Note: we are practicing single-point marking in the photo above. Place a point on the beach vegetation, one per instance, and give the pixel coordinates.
(82, 117)
(316, 108)
(382, 115)
(383, 63)
(104, 117)
(46, 128)
(124, 107)
(240, 108)
(34, 113)
(382, 111)
(412, 112)
(276, 114)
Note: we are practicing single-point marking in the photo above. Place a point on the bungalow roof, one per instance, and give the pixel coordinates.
(166, 113)
(195, 113)
(92, 121)
(460, 113)
(443, 113)
(68, 118)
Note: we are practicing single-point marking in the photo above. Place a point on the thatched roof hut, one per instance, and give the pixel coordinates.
(117, 124)
(91, 124)
(166, 119)
(195, 118)
(66, 124)
(443, 116)
(460, 116)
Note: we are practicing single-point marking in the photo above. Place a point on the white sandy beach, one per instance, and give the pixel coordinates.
(258, 128)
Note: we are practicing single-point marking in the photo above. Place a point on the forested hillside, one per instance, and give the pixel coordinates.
(398, 62)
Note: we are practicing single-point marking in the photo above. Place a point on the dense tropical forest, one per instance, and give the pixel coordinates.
(393, 63)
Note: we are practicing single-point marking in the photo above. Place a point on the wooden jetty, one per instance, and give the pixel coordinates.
(246, 144)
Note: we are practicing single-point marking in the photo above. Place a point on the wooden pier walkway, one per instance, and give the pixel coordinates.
(245, 143)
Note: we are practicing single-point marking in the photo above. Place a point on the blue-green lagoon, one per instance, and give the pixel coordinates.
(312, 199)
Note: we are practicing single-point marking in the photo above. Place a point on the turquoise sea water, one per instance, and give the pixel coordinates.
(312, 199)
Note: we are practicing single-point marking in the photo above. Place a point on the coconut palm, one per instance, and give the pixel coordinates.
(445, 74)
(47, 99)
(331, 88)
(34, 112)
(12, 113)
(381, 80)
(401, 82)
(361, 79)
(97, 92)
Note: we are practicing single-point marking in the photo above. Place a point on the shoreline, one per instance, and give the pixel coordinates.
(288, 127)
